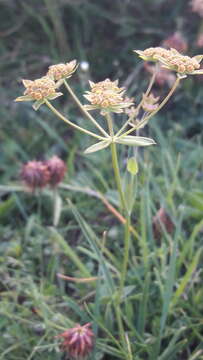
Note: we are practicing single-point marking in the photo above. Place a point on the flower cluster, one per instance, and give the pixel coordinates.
(173, 60)
(35, 174)
(39, 90)
(78, 341)
(57, 169)
(180, 63)
(43, 89)
(150, 103)
(38, 174)
(197, 6)
(152, 53)
(62, 71)
(106, 96)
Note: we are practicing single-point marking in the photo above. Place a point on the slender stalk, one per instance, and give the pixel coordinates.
(126, 255)
(117, 174)
(126, 244)
(139, 105)
(174, 87)
(82, 109)
(127, 234)
(62, 117)
(110, 124)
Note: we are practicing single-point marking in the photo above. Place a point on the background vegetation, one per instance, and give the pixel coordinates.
(35, 304)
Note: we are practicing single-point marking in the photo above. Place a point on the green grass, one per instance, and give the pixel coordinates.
(161, 303)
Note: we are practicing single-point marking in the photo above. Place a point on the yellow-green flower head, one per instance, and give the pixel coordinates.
(173, 60)
(184, 65)
(39, 90)
(152, 53)
(106, 96)
(62, 71)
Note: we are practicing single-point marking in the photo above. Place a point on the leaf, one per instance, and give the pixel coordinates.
(169, 286)
(6, 206)
(57, 209)
(26, 83)
(135, 140)
(92, 240)
(78, 280)
(197, 72)
(198, 58)
(98, 146)
(37, 104)
(69, 251)
(54, 96)
(132, 166)
(187, 277)
(24, 98)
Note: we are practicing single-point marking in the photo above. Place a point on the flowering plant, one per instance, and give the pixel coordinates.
(107, 97)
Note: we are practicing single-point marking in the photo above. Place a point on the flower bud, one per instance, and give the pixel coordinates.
(78, 341)
(150, 103)
(62, 71)
(57, 169)
(35, 175)
(106, 96)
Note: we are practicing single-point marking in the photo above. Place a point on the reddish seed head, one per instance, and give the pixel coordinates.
(57, 169)
(160, 221)
(78, 341)
(176, 41)
(35, 175)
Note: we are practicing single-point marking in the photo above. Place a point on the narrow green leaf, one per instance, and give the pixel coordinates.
(4, 189)
(188, 249)
(132, 166)
(187, 277)
(198, 58)
(173, 342)
(92, 240)
(135, 141)
(57, 208)
(69, 252)
(168, 291)
(37, 104)
(24, 98)
(6, 206)
(98, 146)
(54, 96)
(143, 306)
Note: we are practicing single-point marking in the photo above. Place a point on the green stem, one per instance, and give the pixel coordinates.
(126, 239)
(117, 175)
(145, 119)
(57, 113)
(126, 256)
(110, 124)
(139, 105)
(82, 109)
